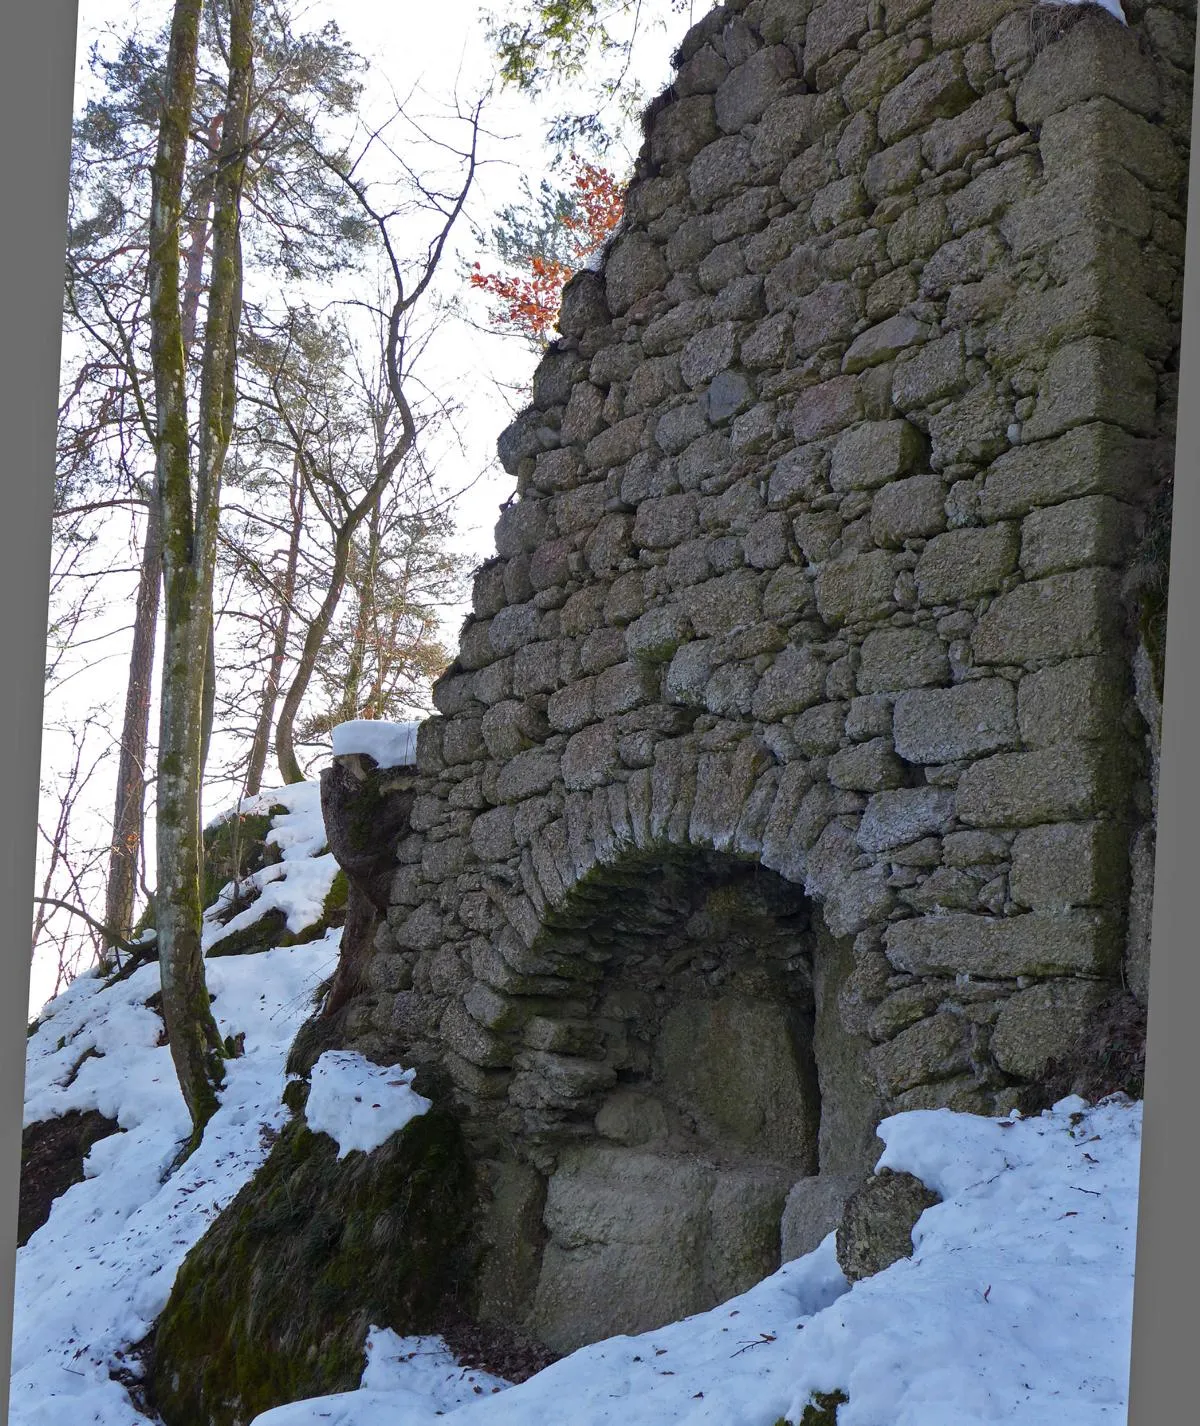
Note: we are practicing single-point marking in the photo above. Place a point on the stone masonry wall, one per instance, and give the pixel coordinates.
(806, 617)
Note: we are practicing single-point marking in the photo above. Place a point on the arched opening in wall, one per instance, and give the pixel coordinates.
(697, 1035)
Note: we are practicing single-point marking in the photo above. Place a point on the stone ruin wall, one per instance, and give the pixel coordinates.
(790, 772)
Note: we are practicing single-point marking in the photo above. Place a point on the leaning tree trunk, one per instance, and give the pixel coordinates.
(287, 597)
(318, 630)
(285, 746)
(129, 814)
(189, 520)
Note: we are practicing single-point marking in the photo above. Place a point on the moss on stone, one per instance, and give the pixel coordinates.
(235, 847)
(274, 1303)
(335, 902)
(268, 931)
(822, 1409)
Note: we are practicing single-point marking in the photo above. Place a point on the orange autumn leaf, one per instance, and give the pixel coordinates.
(530, 301)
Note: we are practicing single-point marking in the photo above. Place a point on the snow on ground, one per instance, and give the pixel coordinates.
(390, 744)
(91, 1281)
(1113, 7)
(359, 1104)
(299, 883)
(1015, 1307)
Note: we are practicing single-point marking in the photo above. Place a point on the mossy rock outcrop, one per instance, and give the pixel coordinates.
(275, 1301)
(52, 1155)
(236, 847)
(271, 929)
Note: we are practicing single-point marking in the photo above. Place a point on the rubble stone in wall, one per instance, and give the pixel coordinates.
(823, 508)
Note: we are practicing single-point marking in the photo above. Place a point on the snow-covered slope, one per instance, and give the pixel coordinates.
(1015, 1306)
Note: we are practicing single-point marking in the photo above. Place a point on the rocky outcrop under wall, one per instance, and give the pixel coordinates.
(790, 765)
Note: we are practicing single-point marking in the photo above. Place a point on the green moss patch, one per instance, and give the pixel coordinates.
(333, 911)
(820, 1411)
(235, 847)
(274, 1303)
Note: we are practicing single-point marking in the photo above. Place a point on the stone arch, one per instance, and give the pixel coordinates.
(677, 1050)
(666, 1090)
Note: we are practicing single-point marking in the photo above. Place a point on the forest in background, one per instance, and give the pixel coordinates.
(263, 455)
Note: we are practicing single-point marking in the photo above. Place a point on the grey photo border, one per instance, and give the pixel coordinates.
(37, 61)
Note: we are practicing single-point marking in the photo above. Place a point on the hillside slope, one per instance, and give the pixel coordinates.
(1015, 1307)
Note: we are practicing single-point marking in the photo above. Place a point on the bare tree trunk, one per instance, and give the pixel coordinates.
(285, 747)
(198, 235)
(129, 814)
(367, 615)
(287, 596)
(356, 661)
(189, 527)
(388, 461)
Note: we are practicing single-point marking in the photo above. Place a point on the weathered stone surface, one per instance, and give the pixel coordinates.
(590, 757)
(813, 1210)
(1062, 865)
(708, 353)
(714, 172)
(832, 26)
(909, 509)
(1039, 1024)
(1063, 616)
(1096, 379)
(664, 522)
(948, 143)
(1102, 128)
(681, 131)
(1068, 780)
(821, 410)
(963, 564)
(752, 86)
(1092, 60)
(1093, 530)
(1078, 698)
(938, 89)
(873, 454)
(936, 1048)
(1074, 943)
(935, 370)
(958, 22)
(856, 587)
(895, 817)
(826, 316)
(941, 725)
(877, 1224)
(894, 169)
(794, 682)
(656, 635)
(867, 767)
(615, 1215)
(896, 659)
(733, 1066)
(788, 759)
(583, 304)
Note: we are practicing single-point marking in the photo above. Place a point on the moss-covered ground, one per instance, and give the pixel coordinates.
(274, 1303)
